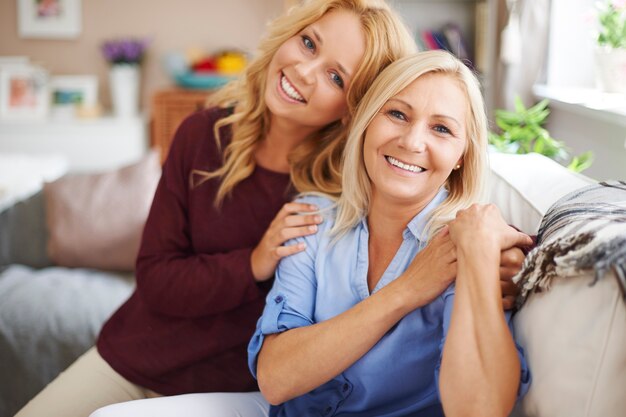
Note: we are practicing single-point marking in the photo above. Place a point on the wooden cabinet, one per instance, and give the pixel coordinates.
(169, 109)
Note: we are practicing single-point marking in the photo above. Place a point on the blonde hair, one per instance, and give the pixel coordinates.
(315, 164)
(465, 185)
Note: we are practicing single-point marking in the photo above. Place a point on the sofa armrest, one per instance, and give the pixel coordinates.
(525, 186)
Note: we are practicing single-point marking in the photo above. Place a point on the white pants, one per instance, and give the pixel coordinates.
(231, 404)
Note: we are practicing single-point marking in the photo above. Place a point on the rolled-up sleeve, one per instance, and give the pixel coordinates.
(525, 378)
(291, 302)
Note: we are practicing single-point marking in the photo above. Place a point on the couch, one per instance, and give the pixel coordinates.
(67, 249)
(51, 311)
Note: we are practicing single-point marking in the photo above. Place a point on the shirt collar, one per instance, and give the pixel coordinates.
(417, 225)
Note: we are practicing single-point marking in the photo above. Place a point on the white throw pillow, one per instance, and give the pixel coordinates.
(525, 186)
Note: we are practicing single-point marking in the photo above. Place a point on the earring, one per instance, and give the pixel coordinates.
(457, 167)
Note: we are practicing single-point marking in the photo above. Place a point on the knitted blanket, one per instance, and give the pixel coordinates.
(583, 232)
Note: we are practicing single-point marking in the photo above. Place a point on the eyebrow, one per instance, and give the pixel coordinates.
(443, 116)
(339, 66)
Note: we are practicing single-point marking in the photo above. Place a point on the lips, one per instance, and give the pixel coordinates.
(403, 165)
(289, 90)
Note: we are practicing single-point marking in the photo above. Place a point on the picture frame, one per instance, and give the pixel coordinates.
(55, 19)
(71, 93)
(23, 92)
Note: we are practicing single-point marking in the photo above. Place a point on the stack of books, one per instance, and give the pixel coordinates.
(450, 38)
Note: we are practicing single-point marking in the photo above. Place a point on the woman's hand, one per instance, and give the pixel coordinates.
(290, 222)
(482, 224)
(511, 261)
(432, 270)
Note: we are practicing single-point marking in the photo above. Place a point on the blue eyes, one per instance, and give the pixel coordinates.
(442, 129)
(397, 114)
(308, 43)
(334, 77)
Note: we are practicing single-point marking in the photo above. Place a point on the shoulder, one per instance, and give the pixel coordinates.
(320, 200)
(201, 123)
(326, 205)
(195, 137)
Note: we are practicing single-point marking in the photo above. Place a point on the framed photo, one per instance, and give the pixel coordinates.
(70, 93)
(58, 19)
(23, 92)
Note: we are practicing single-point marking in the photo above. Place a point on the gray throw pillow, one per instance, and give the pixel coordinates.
(23, 233)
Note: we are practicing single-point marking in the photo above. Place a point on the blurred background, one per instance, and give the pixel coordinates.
(531, 49)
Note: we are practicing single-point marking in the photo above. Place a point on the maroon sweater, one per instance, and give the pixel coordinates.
(187, 325)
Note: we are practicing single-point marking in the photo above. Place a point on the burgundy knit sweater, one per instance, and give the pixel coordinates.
(187, 325)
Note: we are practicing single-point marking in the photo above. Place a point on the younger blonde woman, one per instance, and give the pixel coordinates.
(221, 212)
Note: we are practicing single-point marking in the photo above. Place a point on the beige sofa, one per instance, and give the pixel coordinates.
(574, 333)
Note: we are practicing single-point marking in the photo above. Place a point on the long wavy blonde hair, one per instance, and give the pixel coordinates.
(465, 185)
(315, 164)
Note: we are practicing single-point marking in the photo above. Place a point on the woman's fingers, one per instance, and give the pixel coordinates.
(286, 250)
(288, 233)
(302, 219)
(295, 208)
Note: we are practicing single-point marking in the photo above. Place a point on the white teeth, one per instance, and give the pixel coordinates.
(412, 168)
(289, 90)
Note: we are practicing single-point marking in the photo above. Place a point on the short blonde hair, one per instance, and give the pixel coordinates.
(465, 185)
(316, 163)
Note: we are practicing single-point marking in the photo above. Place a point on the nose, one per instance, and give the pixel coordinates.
(306, 70)
(413, 139)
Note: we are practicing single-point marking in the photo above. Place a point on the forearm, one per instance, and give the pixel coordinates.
(297, 361)
(480, 367)
(194, 285)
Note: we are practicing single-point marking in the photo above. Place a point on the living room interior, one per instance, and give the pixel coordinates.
(80, 157)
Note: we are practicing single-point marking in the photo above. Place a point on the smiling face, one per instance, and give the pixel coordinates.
(310, 73)
(416, 139)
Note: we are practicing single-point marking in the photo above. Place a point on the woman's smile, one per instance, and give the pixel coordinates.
(404, 167)
(289, 92)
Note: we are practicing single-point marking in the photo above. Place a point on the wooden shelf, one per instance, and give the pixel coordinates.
(89, 145)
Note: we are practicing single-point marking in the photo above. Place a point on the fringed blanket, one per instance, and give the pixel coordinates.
(583, 232)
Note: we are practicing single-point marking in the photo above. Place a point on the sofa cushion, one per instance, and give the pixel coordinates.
(96, 220)
(573, 307)
(513, 187)
(48, 318)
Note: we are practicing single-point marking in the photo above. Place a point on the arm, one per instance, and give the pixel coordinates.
(173, 277)
(480, 369)
(298, 360)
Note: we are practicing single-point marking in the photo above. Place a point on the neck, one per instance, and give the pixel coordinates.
(387, 221)
(273, 151)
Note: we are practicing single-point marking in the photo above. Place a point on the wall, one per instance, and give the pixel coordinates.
(172, 25)
(583, 133)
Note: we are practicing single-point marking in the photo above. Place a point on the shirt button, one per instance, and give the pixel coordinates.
(327, 410)
(345, 387)
(278, 299)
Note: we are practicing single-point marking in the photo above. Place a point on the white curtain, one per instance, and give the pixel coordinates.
(523, 50)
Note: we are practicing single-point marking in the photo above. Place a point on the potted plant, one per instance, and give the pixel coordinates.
(611, 51)
(125, 57)
(522, 132)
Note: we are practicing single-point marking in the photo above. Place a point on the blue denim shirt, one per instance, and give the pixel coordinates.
(399, 375)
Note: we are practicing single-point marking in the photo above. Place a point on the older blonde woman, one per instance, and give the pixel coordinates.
(394, 307)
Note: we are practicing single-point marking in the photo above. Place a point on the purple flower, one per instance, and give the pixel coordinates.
(125, 51)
